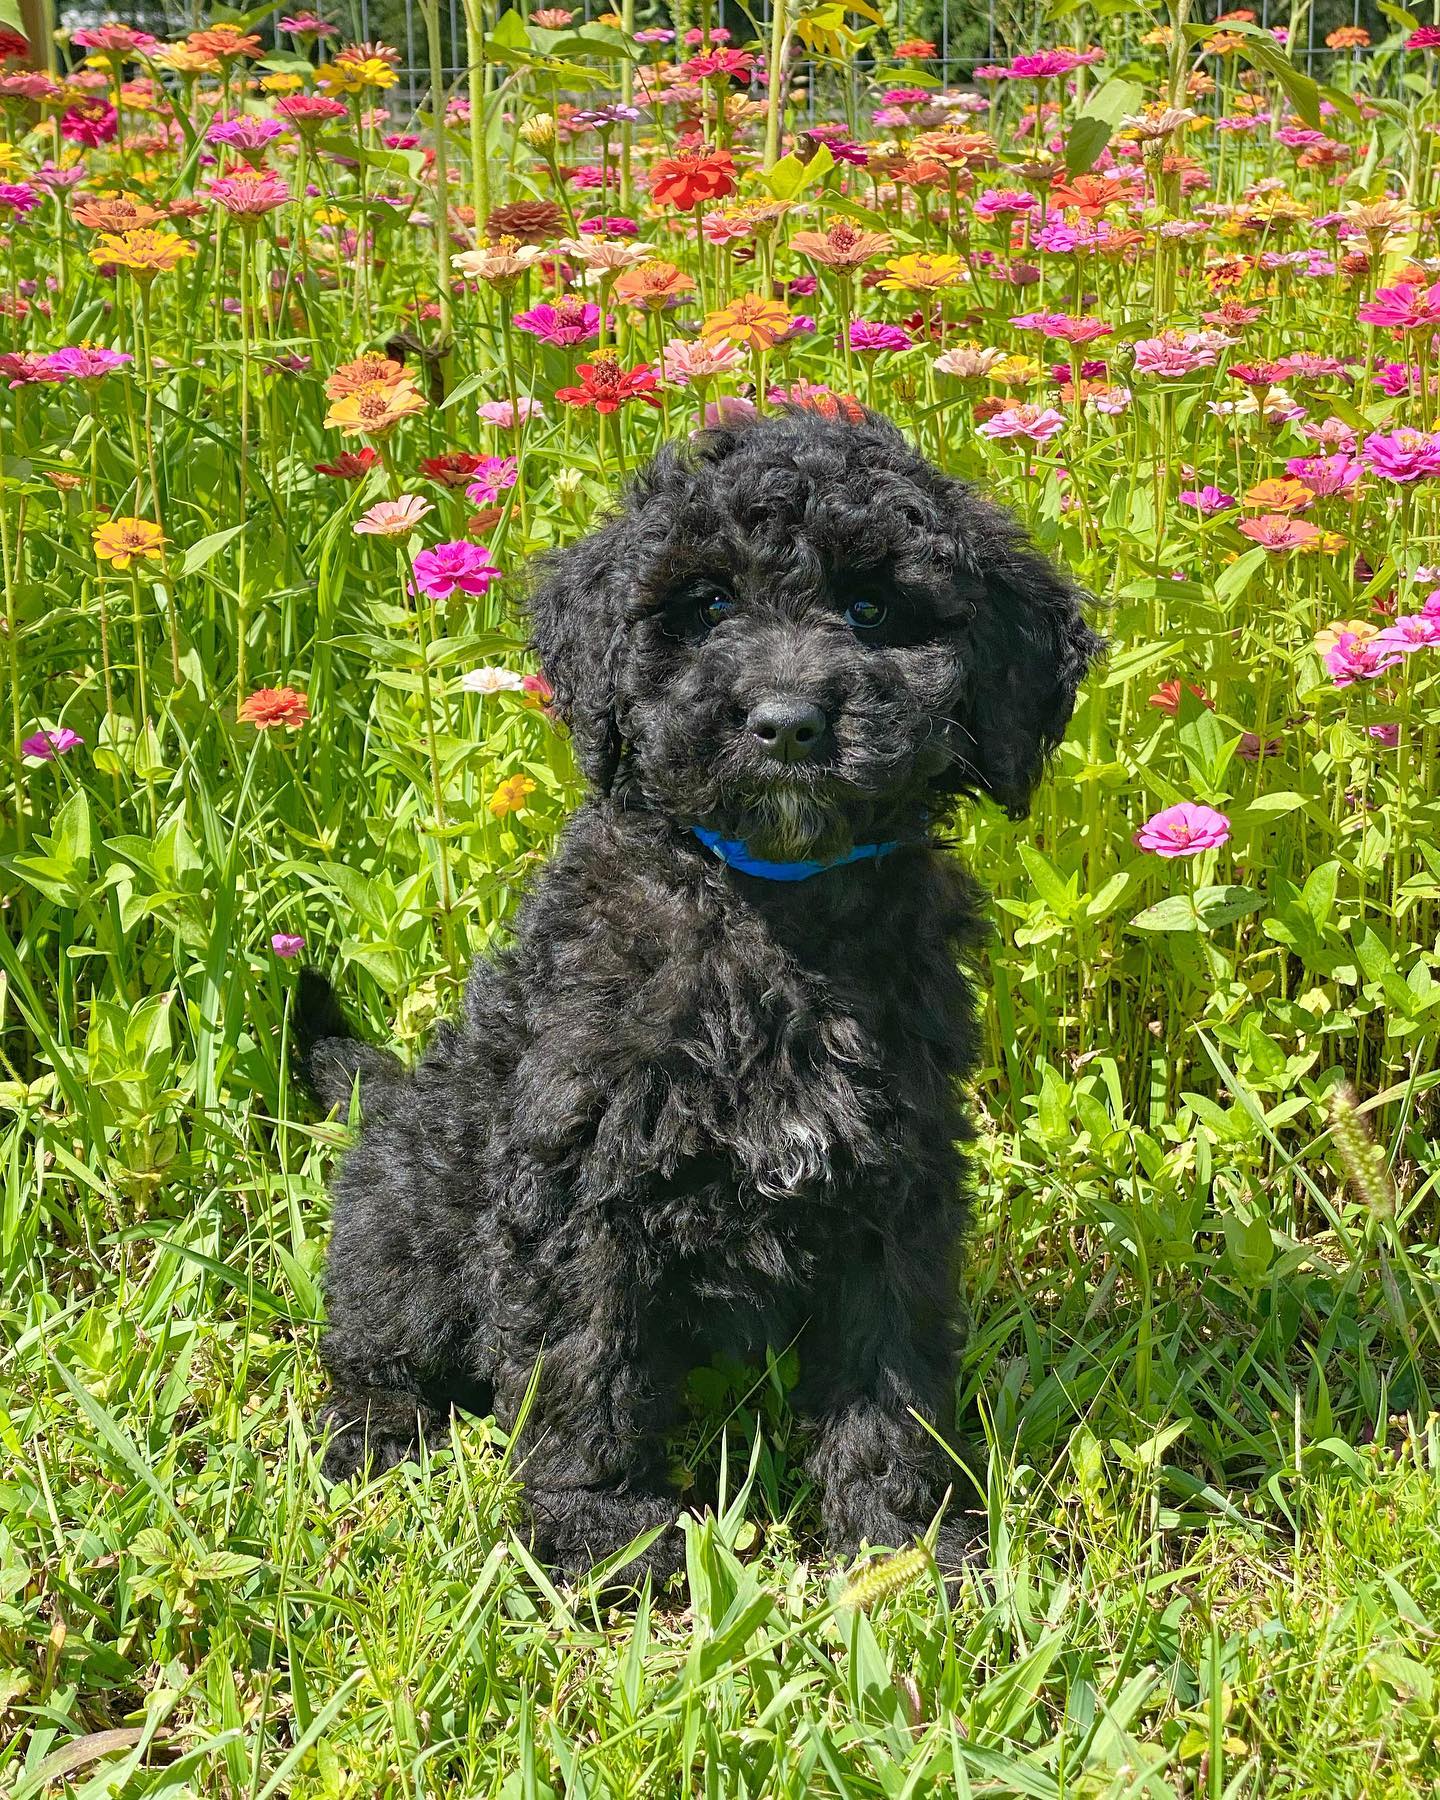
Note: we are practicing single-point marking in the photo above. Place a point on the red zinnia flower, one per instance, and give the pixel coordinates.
(693, 178)
(350, 465)
(606, 386)
(1166, 697)
(453, 469)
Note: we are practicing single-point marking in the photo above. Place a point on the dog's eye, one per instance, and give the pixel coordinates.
(713, 606)
(865, 615)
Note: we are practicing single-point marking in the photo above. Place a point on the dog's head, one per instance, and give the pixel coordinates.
(798, 632)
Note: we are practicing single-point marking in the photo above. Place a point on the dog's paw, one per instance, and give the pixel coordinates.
(371, 1430)
(962, 1542)
(577, 1530)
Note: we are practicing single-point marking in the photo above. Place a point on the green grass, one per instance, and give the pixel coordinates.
(1203, 1580)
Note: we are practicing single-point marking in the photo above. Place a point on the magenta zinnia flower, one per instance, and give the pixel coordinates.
(45, 746)
(461, 567)
(1326, 475)
(18, 198)
(871, 335)
(568, 322)
(1183, 830)
(287, 944)
(1353, 658)
(1404, 455)
(1412, 631)
(1404, 307)
(1208, 499)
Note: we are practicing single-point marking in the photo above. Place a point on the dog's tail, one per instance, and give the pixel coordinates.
(329, 1058)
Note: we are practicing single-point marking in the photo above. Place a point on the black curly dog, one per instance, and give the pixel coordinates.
(709, 1100)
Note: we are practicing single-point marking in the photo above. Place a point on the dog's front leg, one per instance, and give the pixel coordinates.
(880, 1349)
(590, 1455)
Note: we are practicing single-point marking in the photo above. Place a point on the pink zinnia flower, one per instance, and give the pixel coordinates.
(86, 362)
(1412, 631)
(1174, 353)
(1208, 499)
(569, 321)
(248, 194)
(1065, 326)
(1404, 307)
(246, 133)
(502, 413)
(1405, 455)
(684, 361)
(491, 476)
(392, 518)
(287, 944)
(1351, 658)
(460, 567)
(18, 198)
(1183, 830)
(45, 746)
(1326, 475)
(1038, 423)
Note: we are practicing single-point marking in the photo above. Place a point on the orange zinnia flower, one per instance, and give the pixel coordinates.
(268, 707)
(375, 408)
(652, 284)
(224, 42)
(752, 320)
(114, 212)
(1279, 495)
(121, 541)
(364, 371)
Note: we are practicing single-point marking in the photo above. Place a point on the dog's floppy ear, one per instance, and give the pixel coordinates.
(578, 618)
(1029, 649)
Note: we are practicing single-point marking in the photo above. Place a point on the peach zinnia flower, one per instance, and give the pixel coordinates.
(145, 253)
(751, 320)
(114, 212)
(392, 518)
(843, 246)
(268, 707)
(374, 408)
(120, 541)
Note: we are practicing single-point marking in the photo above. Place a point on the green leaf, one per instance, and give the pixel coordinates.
(1233, 580)
(1177, 913)
(203, 549)
(1219, 905)
(1086, 139)
(508, 38)
(1261, 50)
(790, 176)
(70, 839)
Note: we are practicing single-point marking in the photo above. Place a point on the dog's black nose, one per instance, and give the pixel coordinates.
(788, 728)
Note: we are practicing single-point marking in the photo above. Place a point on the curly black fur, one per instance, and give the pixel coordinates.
(692, 1110)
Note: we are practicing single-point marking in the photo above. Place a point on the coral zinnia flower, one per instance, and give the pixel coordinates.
(374, 408)
(392, 518)
(606, 386)
(249, 194)
(268, 707)
(224, 42)
(693, 178)
(751, 320)
(922, 272)
(120, 541)
(1166, 697)
(1277, 533)
(511, 795)
(350, 465)
(145, 253)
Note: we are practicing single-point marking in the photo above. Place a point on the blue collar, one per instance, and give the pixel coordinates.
(735, 853)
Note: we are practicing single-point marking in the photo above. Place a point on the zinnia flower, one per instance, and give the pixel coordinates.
(490, 477)
(1403, 456)
(45, 746)
(492, 680)
(604, 385)
(350, 465)
(1037, 423)
(567, 322)
(870, 335)
(511, 795)
(121, 541)
(145, 253)
(460, 567)
(392, 518)
(87, 362)
(268, 708)
(286, 944)
(751, 320)
(1404, 307)
(842, 246)
(692, 179)
(922, 272)
(1351, 658)
(1183, 830)
(1208, 499)
(1278, 533)
(375, 408)
(249, 194)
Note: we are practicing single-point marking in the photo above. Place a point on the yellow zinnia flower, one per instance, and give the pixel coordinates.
(374, 408)
(922, 272)
(751, 320)
(511, 795)
(145, 253)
